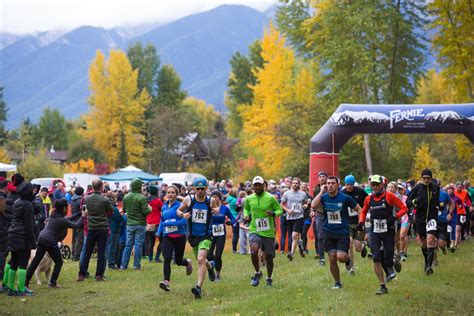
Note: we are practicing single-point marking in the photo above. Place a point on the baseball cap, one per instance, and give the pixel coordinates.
(258, 179)
(376, 178)
(200, 183)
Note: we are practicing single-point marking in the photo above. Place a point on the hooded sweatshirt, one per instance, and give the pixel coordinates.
(136, 205)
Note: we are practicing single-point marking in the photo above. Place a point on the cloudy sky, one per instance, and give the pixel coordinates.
(24, 16)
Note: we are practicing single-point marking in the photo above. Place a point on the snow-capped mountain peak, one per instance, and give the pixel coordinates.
(353, 117)
(443, 116)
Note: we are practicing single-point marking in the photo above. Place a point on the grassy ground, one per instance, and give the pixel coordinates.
(300, 287)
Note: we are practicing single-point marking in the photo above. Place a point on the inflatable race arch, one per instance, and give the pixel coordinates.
(351, 119)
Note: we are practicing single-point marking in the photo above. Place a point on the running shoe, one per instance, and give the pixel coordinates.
(197, 291)
(211, 272)
(352, 272)
(391, 275)
(452, 249)
(403, 257)
(189, 267)
(269, 282)
(383, 290)
(290, 256)
(363, 252)
(444, 251)
(12, 292)
(256, 279)
(53, 285)
(322, 262)
(428, 271)
(337, 286)
(165, 285)
(218, 279)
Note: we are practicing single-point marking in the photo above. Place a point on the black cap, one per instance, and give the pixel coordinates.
(217, 193)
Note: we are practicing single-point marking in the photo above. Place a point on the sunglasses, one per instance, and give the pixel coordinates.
(200, 189)
(374, 183)
(426, 178)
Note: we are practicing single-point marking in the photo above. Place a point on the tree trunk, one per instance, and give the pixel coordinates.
(368, 157)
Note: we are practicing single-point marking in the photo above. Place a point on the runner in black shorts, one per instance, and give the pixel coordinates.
(336, 225)
(425, 198)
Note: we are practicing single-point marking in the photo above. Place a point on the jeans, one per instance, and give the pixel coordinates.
(77, 243)
(99, 236)
(235, 237)
(244, 241)
(112, 244)
(318, 224)
(135, 237)
(283, 232)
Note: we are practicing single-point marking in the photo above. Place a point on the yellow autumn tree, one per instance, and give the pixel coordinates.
(86, 166)
(117, 106)
(260, 137)
(4, 155)
(425, 159)
(433, 89)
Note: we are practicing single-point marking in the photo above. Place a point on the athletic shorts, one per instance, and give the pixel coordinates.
(336, 243)
(356, 234)
(442, 231)
(265, 243)
(203, 245)
(421, 230)
(461, 220)
(295, 225)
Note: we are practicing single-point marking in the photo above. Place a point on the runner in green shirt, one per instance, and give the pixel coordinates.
(260, 209)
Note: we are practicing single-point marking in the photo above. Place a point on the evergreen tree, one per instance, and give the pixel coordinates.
(169, 88)
(51, 130)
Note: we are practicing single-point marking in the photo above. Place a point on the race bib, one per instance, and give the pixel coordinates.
(171, 229)
(431, 225)
(334, 217)
(462, 219)
(296, 208)
(218, 230)
(380, 226)
(199, 216)
(262, 224)
(352, 212)
(450, 229)
(368, 224)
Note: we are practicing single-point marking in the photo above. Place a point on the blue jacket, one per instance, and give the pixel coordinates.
(123, 230)
(115, 221)
(170, 222)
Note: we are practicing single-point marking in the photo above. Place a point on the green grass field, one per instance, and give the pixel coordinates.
(300, 287)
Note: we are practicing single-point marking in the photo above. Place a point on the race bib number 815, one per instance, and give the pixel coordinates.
(262, 224)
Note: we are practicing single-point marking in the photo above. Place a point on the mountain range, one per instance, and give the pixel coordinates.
(51, 68)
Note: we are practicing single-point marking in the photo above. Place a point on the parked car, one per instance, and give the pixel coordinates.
(50, 183)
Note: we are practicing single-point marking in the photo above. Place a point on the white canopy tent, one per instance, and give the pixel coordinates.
(6, 167)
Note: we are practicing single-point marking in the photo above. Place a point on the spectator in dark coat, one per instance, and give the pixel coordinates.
(49, 237)
(3, 236)
(21, 239)
(78, 233)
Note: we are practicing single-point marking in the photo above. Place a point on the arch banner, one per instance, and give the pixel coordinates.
(351, 119)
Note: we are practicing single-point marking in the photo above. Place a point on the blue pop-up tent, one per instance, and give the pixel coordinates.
(128, 174)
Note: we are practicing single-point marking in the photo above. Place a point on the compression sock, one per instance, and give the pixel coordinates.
(430, 256)
(5, 274)
(21, 279)
(425, 254)
(11, 279)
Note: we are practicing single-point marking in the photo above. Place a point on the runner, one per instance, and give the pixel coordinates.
(173, 230)
(294, 202)
(357, 237)
(380, 204)
(260, 209)
(201, 208)
(425, 198)
(219, 232)
(335, 206)
(462, 224)
(444, 215)
(404, 225)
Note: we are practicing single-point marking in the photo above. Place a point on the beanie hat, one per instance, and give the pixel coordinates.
(350, 179)
(17, 179)
(217, 193)
(153, 190)
(427, 172)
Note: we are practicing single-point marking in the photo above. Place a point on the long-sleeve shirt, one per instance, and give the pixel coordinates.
(171, 225)
(391, 200)
(218, 221)
(256, 206)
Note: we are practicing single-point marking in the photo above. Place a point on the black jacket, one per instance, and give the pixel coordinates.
(418, 198)
(21, 232)
(11, 198)
(56, 229)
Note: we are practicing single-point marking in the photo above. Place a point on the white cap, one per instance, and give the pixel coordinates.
(258, 179)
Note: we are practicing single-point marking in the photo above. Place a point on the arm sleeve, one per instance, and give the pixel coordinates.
(276, 207)
(246, 208)
(411, 198)
(228, 213)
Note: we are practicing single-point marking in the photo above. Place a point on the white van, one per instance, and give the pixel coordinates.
(183, 178)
